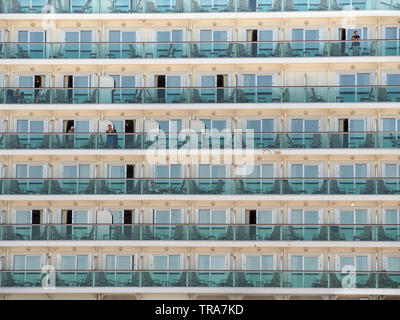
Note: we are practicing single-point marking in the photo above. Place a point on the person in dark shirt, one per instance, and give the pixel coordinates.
(111, 138)
(356, 44)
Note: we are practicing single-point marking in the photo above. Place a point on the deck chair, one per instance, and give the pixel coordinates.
(323, 6)
(181, 282)
(322, 235)
(291, 144)
(285, 95)
(334, 187)
(369, 187)
(91, 187)
(371, 51)
(275, 281)
(55, 187)
(335, 141)
(14, 187)
(241, 189)
(382, 188)
(277, 5)
(22, 54)
(194, 188)
(228, 52)
(242, 51)
(367, 234)
(230, 7)
(132, 51)
(178, 234)
(384, 281)
(241, 96)
(370, 97)
(241, 280)
(275, 235)
(314, 97)
(292, 235)
(60, 53)
(324, 51)
(335, 235)
(218, 187)
(277, 51)
(178, 6)
(60, 96)
(59, 7)
(195, 234)
(382, 236)
(369, 141)
(334, 5)
(195, 51)
(84, 8)
(93, 97)
(13, 142)
(181, 188)
(194, 281)
(169, 54)
(371, 282)
(289, 6)
(15, 6)
(316, 141)
(323, 189)
(243, 6)
(334, 281)
(196, 7)
(335, 50)
(151, 7)
(101, 280)
(228, 235)
(228, 282)
(383, 96)
(321, 283)
(196, 97)
(290, 52)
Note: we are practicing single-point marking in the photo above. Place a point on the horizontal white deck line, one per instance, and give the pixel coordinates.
(202, 106)
(208, 197)
(209, 290)
(201, 15)
(204, 61)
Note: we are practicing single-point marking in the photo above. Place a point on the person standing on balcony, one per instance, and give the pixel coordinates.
(70, 138)
(111, 138)
(356, 43)
(40, 93)
(16, 97)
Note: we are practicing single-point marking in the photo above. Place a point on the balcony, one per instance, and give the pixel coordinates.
(202, 278)
(185, 95)
(202, 186)
(177, 6)
(199, 232)
(208, 140)
(204, 49)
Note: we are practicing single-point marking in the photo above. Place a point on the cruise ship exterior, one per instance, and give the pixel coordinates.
(200, 149)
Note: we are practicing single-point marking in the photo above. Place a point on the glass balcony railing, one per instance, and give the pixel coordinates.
(207, 140)
(182, 95)
(204, 49)
(219, 232)
(193, 186)
(177, 6)
(201, 278)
